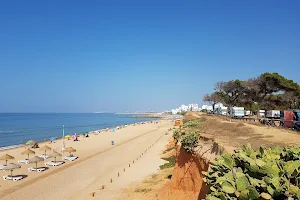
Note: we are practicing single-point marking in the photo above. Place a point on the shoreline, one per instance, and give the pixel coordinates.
(47, 140)
(19, 128)
(147, 116)
(139, 113)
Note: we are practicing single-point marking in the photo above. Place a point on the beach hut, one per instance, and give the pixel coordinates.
(177, 122)
(6, 157)
(28, 152)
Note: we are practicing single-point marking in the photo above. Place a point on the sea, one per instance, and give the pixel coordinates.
(18, 128)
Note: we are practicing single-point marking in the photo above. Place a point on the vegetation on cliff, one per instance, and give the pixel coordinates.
(270, 173)
(171, 162)
(190, 141)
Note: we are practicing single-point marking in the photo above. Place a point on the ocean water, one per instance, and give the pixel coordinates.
(17, 128)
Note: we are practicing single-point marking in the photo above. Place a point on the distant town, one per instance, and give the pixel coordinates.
(181, 109)
(192, 107)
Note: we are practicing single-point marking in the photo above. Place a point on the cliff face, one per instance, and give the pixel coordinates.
(186, 182)
(187, 176)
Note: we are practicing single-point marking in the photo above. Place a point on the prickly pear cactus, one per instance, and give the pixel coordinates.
(271, 173)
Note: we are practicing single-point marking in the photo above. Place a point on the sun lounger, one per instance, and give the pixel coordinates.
(1, 167)
(70, 158)
(14, 178)
(39, 169)
(44, 156)
(25, 161)
(54, 164)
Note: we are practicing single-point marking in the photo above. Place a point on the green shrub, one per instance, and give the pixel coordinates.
(192, 124)
(181, 113)
(171, 162)
(190, 141)
(176, 135)
(272, 173)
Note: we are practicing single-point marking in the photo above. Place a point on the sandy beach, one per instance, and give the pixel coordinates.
(98, 163)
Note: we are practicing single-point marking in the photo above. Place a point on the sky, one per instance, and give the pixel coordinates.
(118, 56)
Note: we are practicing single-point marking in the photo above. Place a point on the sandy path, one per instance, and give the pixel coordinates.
(148, 164)
(80, 178)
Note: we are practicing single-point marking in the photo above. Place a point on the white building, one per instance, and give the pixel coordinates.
(219, 105)
(175, 111)
(193, 107)
(209, 108)
(185, 108)
(206, 107)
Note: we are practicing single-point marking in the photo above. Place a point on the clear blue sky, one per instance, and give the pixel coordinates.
(85, 56)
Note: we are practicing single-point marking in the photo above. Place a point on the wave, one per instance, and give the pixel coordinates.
(10, 131)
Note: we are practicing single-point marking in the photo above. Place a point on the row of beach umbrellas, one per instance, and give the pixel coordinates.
(28, 152)
(35, 159)
(31, 142)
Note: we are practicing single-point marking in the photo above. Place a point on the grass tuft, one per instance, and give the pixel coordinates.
(169, 149)
(144, 190)
(171, 162)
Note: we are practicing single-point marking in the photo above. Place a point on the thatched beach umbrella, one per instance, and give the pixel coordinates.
(45, 148)
(6, 157)
(11, 167)
(28, 152)
(70, 150)
(35, 160)
(55, 154)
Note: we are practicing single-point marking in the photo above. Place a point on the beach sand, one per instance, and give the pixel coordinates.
(98, 162)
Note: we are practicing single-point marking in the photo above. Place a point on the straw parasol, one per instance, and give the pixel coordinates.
(55, 154)
(70, 150)
(11, 167)
(6, 157)
(35, 160)
(45, 148)
(27, 152)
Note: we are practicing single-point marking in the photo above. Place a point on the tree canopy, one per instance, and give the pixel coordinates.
(213, 99)
(267, 91)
